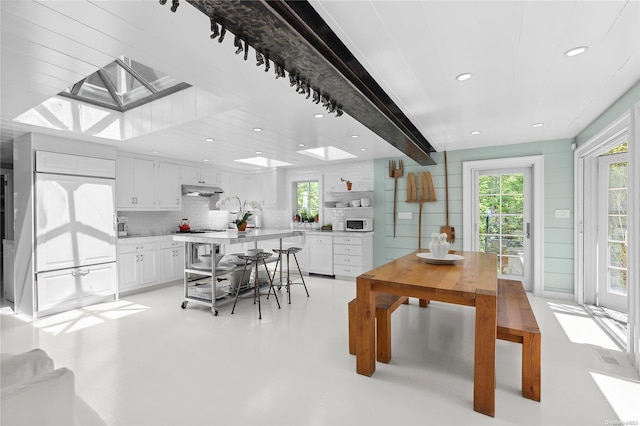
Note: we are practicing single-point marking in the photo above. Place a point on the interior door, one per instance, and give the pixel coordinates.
(504, 221)
(612, 232)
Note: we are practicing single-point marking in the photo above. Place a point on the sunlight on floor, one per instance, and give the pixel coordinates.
(580, 327)
(81, 318)
(622, 394)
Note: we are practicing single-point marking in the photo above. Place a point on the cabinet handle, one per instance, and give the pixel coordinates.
(132, 200)
(137, 258)
(80, 273)
(141, 258)
(136, 200)
(177, 201)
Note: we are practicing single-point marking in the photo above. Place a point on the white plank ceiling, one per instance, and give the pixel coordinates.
(414, 49)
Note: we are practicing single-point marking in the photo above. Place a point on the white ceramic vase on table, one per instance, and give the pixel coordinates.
(439, 246)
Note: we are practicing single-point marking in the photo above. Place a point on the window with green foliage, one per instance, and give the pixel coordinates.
(307, 199)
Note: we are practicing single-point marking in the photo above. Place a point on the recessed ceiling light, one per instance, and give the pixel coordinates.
(463, 77)
(209, 139)
(355, 136)
(300, 144)
(318, 115)
(475, 132)
(257, 129)
(258, 152)
(155, 152)
(537, 125)
(206, 160)
(363, 149)
(576, 51)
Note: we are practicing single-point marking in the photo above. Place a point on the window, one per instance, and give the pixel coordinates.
(307, 200)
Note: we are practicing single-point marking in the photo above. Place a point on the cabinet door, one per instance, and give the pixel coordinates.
(190, 175)
(144, 184)
(148, 266)
(209, 176)
(166, 270)
(320, 255)
(125, 182)
(178, 263)
(128, 272)
(168, 190)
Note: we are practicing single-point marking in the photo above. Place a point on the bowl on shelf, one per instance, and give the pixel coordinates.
(206, 258)
(330, 204)
(355, 203)
(365, 202)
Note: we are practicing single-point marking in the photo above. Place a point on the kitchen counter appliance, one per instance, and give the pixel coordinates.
(359, 224)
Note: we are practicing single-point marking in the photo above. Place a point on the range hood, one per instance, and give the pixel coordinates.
(201, 190)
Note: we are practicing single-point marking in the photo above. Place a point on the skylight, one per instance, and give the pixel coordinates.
(327, 153)
(124, 84)
(263, 162)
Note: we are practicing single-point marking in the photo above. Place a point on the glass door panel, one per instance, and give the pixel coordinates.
(612, 241)
(503, 221)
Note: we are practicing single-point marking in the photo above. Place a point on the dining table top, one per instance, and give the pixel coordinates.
(476, 272)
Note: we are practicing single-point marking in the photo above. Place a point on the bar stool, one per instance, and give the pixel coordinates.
(291, 251)
(255, 259)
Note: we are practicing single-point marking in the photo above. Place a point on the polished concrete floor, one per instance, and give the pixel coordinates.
(145, 361)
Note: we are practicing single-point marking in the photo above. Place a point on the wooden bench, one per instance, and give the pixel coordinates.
(516, 323)
(385, 305)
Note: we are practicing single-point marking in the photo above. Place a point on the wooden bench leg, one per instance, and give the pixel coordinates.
(352, 327)
(531, 365)
(383, 319)
(423, 303)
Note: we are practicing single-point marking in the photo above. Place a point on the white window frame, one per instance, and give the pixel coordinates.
(536, 162)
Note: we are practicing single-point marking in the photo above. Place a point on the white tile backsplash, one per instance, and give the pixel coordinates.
(195, 209)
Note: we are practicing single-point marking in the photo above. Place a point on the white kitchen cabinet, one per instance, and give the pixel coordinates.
(137, 264)
(168, 188)
(352, 255)
(69, 286)
(193, 175)
(135, 184)
(75, 223)
(267, 188)
(171, 261)
(320, 254)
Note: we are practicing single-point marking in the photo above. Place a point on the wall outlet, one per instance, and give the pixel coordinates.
(405, 215)
(563, 214)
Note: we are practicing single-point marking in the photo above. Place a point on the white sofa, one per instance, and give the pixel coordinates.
(35, 393)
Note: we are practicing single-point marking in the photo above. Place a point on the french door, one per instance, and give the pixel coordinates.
(503, 227)
(612, 232)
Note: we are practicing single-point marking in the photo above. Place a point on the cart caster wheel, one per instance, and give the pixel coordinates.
(184, 305)
(279, 287)
(215, 313)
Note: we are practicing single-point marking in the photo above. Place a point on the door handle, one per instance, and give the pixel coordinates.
(528, 230)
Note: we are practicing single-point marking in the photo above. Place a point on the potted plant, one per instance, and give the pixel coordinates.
(243, 212)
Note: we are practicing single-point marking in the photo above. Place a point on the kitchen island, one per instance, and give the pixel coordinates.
(215, 239)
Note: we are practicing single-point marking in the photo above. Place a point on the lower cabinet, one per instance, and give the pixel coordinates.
(319, 254)
(171, 261)
(137, 265)
(68, 287)
(352, 255)
(149, 261)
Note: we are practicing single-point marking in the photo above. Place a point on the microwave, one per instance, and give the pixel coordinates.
(359, 224)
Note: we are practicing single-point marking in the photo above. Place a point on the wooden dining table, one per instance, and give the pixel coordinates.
(471, 281)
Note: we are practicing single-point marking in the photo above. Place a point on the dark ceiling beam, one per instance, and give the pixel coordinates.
(295, 37)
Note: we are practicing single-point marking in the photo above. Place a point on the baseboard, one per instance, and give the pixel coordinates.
(557, 295)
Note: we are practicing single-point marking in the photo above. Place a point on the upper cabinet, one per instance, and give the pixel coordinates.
(135, 189)
(147, 184)
(168, 190)
(193, 175)
(269, 189)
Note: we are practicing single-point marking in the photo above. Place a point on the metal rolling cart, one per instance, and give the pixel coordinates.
(208, 292)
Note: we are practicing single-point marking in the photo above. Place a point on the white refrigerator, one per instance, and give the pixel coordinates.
(75, 240)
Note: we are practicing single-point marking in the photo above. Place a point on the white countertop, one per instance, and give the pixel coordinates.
(233, 237)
